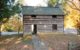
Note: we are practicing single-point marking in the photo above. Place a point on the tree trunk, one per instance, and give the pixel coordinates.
(18, 31)
(18, 27)
(0, 29)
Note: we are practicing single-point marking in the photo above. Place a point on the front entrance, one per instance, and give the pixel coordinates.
(34, 29)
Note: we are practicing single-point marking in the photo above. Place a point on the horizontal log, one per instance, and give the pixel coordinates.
(43, 19)
(44, 16)
(41, 23)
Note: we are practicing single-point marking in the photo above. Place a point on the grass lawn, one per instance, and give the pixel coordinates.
(15, 42)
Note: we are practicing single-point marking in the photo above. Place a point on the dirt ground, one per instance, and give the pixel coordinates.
(52, 41)
(16, 43)
(61, 41)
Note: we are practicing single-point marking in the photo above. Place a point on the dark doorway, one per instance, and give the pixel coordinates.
(35, 29)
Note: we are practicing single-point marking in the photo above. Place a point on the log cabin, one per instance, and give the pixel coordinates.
(42, 19)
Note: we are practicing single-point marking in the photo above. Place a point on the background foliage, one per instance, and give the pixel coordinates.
(8, 8)
(13, 25)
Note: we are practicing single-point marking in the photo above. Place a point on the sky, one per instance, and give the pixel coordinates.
(35, 2)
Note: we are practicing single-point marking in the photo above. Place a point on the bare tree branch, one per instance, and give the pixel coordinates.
(72, 5)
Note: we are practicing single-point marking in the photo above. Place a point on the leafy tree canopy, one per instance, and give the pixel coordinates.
(52, 3)
(7, 9)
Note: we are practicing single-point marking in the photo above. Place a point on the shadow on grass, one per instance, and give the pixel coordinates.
(14, 42)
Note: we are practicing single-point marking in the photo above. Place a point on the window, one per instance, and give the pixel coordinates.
(54, 16)
(54, 26)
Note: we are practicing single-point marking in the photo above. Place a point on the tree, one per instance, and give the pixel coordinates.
(52, 3)
(72, 10)
(7, 9)
(75, 6)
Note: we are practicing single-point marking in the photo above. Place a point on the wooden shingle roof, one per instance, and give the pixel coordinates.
(28, 10)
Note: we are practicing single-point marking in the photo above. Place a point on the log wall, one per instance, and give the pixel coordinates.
(44, 23)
